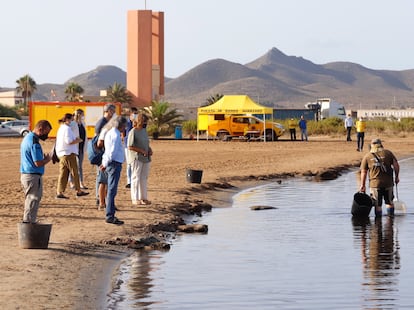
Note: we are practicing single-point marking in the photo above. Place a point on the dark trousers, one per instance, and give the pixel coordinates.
(292, 134)
(348, 133)
(360, 140)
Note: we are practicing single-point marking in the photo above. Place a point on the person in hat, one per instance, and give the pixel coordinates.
(380, 165)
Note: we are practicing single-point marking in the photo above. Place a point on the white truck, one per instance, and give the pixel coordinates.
(328, 108)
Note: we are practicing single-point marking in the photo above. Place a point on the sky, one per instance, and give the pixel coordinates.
(54, 40)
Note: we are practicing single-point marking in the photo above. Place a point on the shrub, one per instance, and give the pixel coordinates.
(190, 127)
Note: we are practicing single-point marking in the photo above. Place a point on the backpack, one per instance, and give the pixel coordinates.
(94, 153)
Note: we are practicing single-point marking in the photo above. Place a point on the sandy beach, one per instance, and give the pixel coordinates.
(75, 271)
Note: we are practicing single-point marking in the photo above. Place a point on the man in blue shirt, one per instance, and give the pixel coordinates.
(303, 129)
(112, 161)
(32, 168)
(101, 180)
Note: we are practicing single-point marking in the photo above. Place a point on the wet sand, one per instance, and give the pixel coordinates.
(75, 271)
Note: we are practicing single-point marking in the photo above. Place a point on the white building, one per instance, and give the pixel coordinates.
(386, 113)
(10, 98)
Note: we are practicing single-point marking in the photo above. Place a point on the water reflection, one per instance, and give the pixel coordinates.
(380, 260)
(136, 278)
(297, 256)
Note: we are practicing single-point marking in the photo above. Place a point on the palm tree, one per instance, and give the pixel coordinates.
(212, 99)
(26, 86)
(73, 92)
(118, 93)
(161, 116)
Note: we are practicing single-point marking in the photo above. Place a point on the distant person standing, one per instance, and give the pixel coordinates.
(79, 129)
(349, 123)
(292, 129)
(360, 128)
(381, 165)
(32, 168)
(139, 157)
(132, 116)
(112, 161)
(303, 129)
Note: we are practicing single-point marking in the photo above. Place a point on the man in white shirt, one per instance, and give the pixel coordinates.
(349, 123)
(112, 161)
(67, 151)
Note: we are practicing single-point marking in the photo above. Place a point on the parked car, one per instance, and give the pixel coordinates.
(14, 128)
(6, 119)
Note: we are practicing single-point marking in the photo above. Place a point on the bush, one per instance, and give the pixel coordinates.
(6, 111)
(327, 126)
(190, 127)
(335, 126)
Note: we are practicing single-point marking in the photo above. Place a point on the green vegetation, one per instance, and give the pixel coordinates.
(335, 126)
(212, 99)
(7, 111)
(162, 119)
(190, 127)
(118, 93)
(73, 92)
(26, 86)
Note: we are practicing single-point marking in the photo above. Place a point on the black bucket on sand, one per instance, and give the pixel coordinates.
(194, 176)
(34, 236)
(361, 206)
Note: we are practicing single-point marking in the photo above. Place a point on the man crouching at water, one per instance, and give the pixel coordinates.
(381, 164)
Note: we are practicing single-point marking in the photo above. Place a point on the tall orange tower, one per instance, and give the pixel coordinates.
(145, 56)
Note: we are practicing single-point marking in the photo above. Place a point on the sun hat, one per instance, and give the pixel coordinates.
(376, 145)
(376, 141)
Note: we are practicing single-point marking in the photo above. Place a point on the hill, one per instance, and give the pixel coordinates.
(290, 81)
(273, 79)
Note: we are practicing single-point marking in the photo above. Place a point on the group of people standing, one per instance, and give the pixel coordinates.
(70, 149)
(122, 139)
(292, 123)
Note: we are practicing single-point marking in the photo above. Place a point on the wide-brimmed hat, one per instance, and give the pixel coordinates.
(376, 145)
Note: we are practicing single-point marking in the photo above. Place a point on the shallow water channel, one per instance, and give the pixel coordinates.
(306, 254)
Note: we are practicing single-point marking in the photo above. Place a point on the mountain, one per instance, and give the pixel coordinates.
(274, 79)
(92, 82)
(290, 81)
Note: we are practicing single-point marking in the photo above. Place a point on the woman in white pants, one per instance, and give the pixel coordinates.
(139, 157)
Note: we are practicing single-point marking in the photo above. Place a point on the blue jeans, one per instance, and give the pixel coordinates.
(304, 134)
(113, 172)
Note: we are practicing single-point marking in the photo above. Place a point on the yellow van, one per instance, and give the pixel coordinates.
(6, 119)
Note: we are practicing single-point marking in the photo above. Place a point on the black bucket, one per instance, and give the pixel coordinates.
(194, 176)
(361, 206)
(34, 236)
